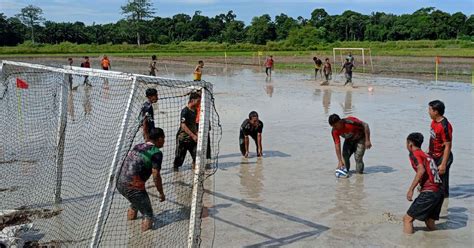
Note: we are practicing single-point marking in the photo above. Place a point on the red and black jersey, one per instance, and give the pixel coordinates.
(353, 130)
(430, 180)
(441, 132)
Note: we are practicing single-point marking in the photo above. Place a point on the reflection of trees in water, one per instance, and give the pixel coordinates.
(251, 179)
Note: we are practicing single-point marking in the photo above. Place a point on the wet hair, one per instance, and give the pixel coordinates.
(194, 95)
(151, 92)
(153, 57)
(253, 114)
(333, 119)
(437, 106)
(156, 133)
(416, 139)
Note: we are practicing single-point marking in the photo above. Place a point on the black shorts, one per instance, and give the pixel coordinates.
(426, 206)
(242, 141)
(182, 147)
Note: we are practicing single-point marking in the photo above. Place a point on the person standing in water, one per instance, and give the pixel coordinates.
(152, 66)
(198, 71)
(269, 66)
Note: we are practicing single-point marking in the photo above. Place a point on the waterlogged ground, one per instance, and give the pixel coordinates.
(290, 197)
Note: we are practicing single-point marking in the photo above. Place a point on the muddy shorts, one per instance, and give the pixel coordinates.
(139, 200)
(426, 206)
(356, 147)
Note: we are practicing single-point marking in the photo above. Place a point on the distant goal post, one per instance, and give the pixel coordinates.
(344, 52)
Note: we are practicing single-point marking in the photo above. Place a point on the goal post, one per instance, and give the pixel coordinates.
(72, 128)
(363, 52)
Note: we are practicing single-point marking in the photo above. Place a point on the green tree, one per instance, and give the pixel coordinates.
(306, 36)
(200, 26)
(261, 30)
(31, 16)
(283, 25)
(469, 27)
(319, 18)
(136, 11)
(456, 24)
(234, 32)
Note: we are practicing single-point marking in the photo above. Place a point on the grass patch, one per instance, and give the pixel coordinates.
(452, 48)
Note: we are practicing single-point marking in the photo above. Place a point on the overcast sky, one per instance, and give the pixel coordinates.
(107, 11)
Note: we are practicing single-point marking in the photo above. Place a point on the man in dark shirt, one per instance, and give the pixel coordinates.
(147, 109)
(356, 134)
(143, 161)
(348, 66)
(86, 64)
(441, 142)
(252, 127)
(187, 133)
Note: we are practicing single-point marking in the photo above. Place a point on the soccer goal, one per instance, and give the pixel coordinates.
(65, 133)
(363, 52)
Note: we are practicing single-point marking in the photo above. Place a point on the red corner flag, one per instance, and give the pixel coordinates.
(21, 84)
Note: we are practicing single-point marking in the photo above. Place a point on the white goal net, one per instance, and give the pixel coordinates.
(65, 133)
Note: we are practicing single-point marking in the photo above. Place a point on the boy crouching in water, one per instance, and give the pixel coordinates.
(427, 205)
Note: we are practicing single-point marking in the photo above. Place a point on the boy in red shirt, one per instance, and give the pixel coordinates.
(269, 66)
(440, 142)
(356, 134)
(427, 205)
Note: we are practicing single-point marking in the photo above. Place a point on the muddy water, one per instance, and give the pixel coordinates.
(291, 197)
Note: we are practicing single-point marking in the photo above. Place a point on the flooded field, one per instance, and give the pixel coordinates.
(290, 197)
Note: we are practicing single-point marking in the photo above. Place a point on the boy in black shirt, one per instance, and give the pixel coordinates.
(187, 133)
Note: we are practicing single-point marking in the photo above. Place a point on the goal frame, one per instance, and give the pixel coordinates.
(363, 50)
(197, 190)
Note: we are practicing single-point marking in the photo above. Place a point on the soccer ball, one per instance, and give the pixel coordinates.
(342, 172)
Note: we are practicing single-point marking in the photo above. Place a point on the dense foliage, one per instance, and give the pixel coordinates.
(320, 28)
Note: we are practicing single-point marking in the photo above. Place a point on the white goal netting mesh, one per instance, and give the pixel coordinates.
(65, 133)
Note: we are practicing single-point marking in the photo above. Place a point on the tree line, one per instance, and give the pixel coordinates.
(140, 26)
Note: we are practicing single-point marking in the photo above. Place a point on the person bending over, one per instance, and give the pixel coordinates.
(356, 134)
(252, 127)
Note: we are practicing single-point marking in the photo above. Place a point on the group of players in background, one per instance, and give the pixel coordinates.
(432, 168)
